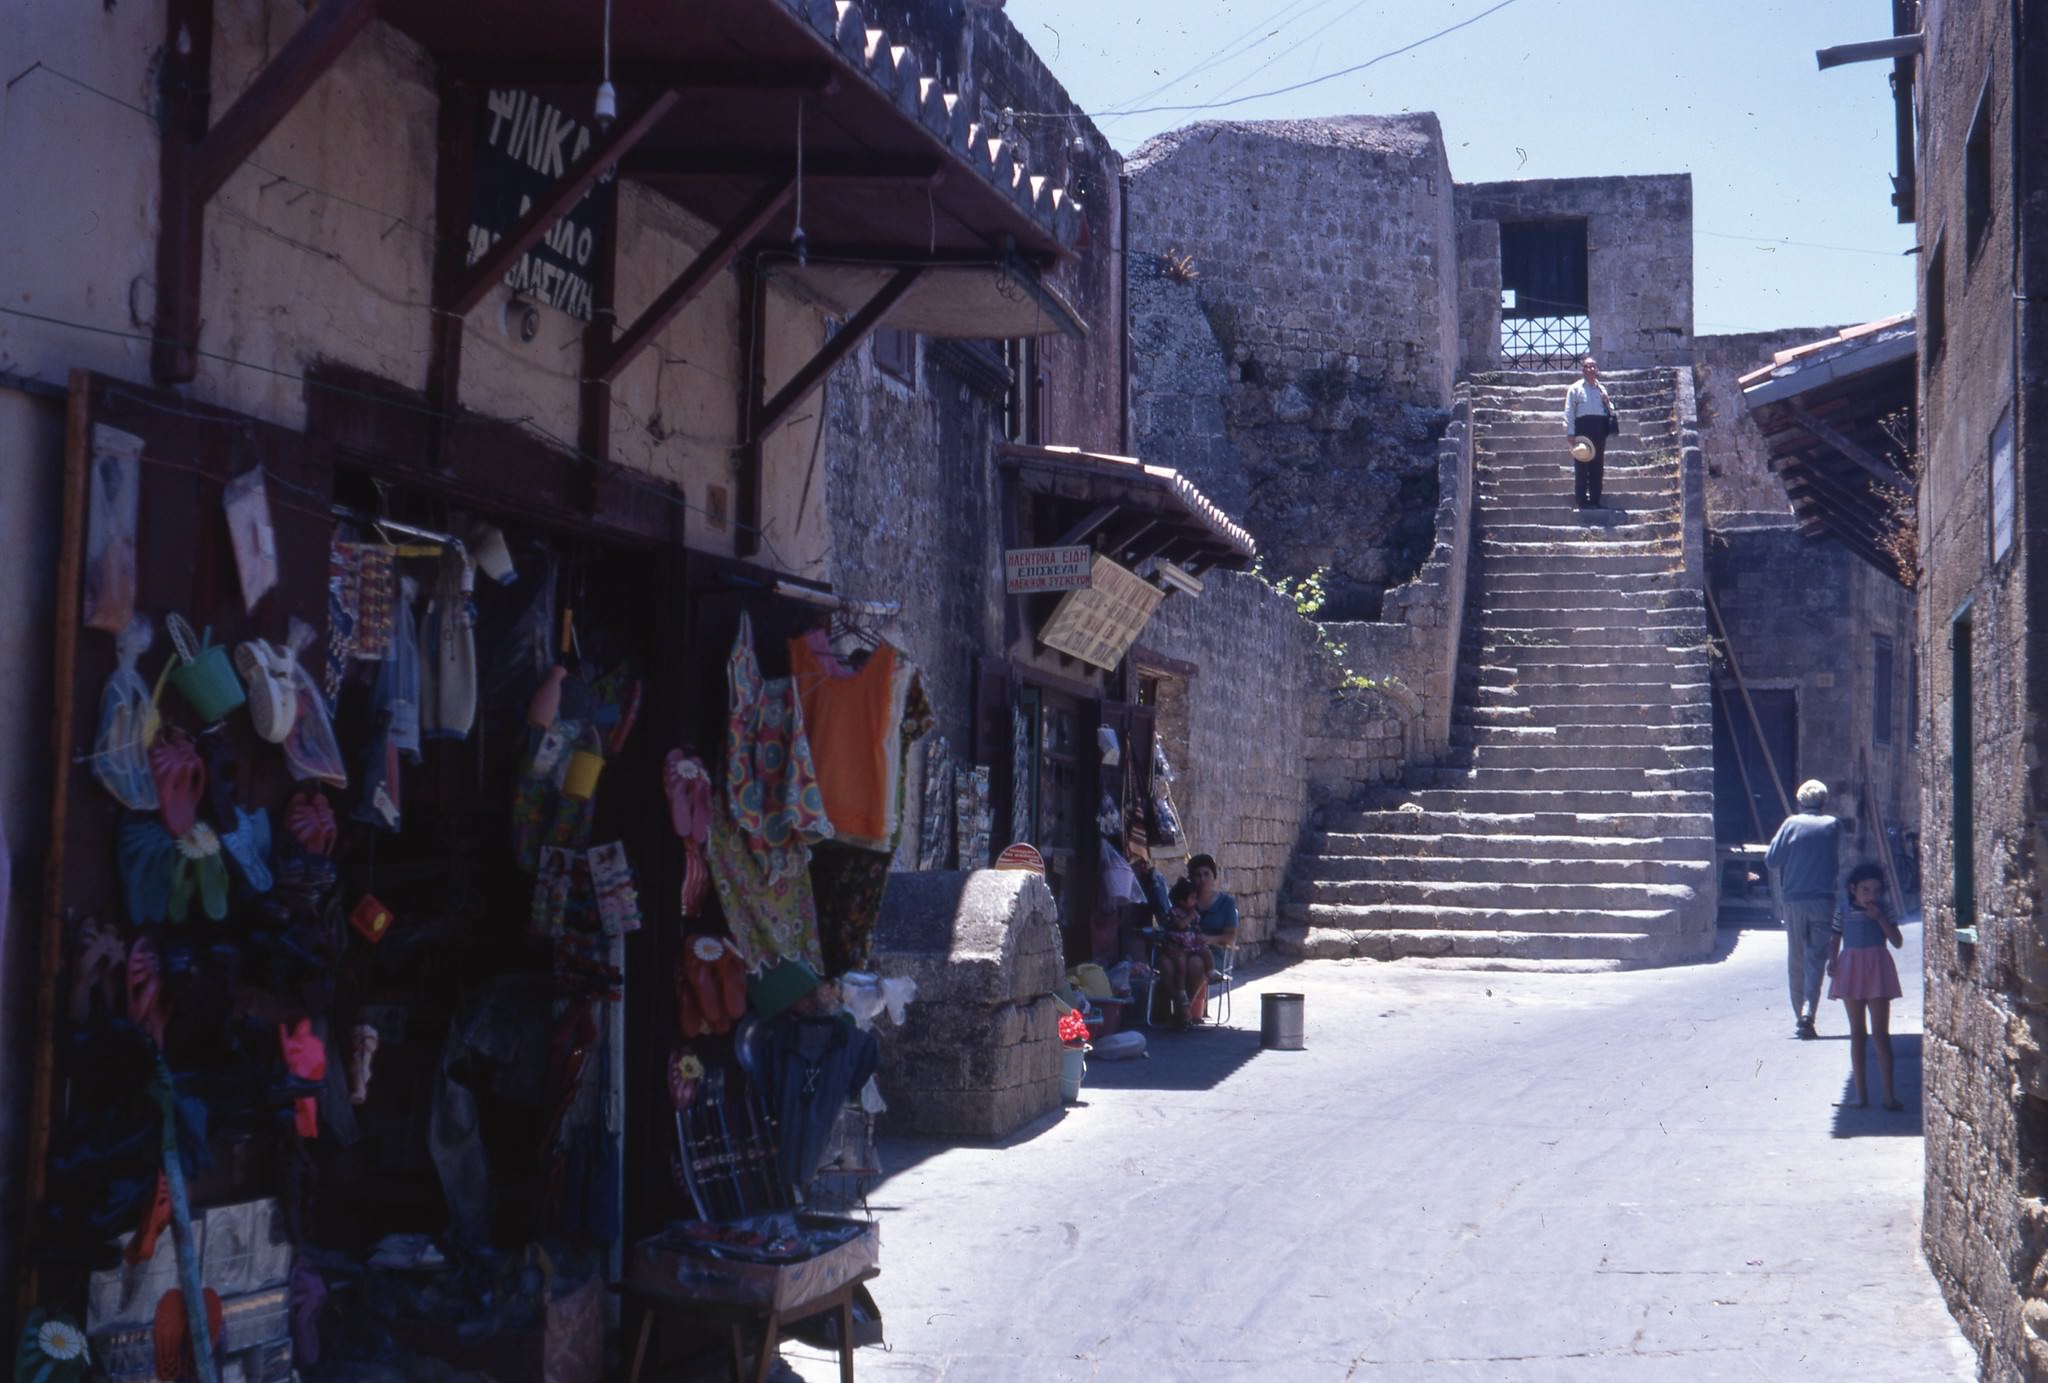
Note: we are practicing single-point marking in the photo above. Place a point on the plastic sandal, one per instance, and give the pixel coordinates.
(128, 723)
(248, 845)
(180, 779)
(199, 869)
(273, 693)
(310, 746)
(310, 819)
(148, 858)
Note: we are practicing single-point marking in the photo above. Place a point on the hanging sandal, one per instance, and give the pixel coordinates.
(180, 779)
(128, 724)
(273, 693)
(310, 819)
(200, 870)
(248, 845)
(145, 998)
(148, 859)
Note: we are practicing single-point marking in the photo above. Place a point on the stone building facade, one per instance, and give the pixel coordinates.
(1740, 486)
(1980, 89)
(1825, 644)
(1638, 267)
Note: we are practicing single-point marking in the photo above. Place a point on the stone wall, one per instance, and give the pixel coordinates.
(1739, 475)
(1243, 791)
(1264, 363)
(1638, 254)
(1985, 1227)
(977, 1055)
(1802, 614)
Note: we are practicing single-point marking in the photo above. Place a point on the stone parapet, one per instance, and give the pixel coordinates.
(978, 1053)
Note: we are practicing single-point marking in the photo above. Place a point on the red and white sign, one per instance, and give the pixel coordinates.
(1021, 856)
(1027, 570)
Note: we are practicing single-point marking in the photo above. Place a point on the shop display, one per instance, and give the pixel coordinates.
(113, 505)
(128, 723)
(251, 535)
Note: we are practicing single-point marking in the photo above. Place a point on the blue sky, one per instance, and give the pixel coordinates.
(1791, 193)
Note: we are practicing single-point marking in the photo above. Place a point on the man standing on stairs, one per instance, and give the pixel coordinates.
(1804, 855)
(1588, 414)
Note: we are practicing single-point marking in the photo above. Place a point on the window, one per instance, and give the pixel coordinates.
(1881, 692)
(1912, 698)
(1977, 177)
(1935, 320)
(1024, 409)
(1962, 776)
(896, 353)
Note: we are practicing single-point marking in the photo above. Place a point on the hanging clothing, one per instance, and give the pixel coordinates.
(771, 783)
(447, 652)
(771, 916)
(912, 718)
(848, 884)
(850, 721)
(813, 1066)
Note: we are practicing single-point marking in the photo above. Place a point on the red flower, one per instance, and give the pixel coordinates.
(1073, 1027)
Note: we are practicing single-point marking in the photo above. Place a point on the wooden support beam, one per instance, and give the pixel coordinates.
(279, 87)
(1827, 433)
(689, 78)
(721, 252)
(594, 405)
(1085, 529)
(1117, 546)
(194, 160)
(746, 535)
(843, 343)
(462, 294)
(692, 165)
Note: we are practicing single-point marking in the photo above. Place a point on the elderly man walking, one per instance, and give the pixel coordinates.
(1804, 856)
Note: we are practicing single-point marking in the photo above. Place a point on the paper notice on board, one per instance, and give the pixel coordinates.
(113, 501)
(1099, 625)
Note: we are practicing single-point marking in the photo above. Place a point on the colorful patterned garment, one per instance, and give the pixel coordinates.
(771, 917)
(771, 785)
(848, 884)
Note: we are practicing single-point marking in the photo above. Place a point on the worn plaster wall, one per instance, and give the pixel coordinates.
(320, 248)
(1320, 255)
(1638, 255)
(1803, 615)
(1986, 1101)
(1739, 476)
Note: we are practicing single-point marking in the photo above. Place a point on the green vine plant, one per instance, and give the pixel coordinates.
(1310, 593)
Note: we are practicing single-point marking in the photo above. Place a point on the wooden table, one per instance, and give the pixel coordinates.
(768, 1321)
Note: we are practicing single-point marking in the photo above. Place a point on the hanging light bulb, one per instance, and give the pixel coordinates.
(606, 108)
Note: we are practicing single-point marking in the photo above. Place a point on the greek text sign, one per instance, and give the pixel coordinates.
(1099, 625)
(1029, 569)
(524, 146)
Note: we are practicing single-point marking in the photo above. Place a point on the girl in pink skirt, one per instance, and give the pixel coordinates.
(1864, 978)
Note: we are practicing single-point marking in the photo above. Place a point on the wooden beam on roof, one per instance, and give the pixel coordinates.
(195, 159)
(690, 78)
(1826, 432)
(468, 289)
(695, 165)
(712, 261)
(1124, 540)
(1085, 529)
(843, 343)
(870, 255)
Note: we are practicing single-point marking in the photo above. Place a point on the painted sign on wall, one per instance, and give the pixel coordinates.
(1100, 624)
(1027, 570)
(524, 146)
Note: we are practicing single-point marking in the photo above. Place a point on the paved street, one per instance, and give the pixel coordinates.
(1467, 1175)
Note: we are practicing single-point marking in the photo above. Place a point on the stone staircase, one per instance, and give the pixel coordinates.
(1572, 820)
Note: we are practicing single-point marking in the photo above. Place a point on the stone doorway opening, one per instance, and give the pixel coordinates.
(1747, 809)
(1543, 291)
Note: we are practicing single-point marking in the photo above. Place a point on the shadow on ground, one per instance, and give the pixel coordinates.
(1876, 1121)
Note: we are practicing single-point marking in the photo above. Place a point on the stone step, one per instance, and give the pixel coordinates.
(1488, 651)
(1561, 778)
(1583, 740)
(1515, 847)
(1667, 691)
(1536, 501)
(1574, 801)
(1578, 559)
(1669, 622)
(1567, 528)
(1532, 919)
(1640, 430)
(1576, 603)
(1623, 826)
(1689, 720)
(1501, 867)
(1530, 674)
(1410, 902)
(1615, 949)
(1604, 758)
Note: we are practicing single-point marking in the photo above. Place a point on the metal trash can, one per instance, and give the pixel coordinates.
(1280, 1022)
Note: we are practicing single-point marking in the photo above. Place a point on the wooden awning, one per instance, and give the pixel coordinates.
(1829, 412)
(1131, 511)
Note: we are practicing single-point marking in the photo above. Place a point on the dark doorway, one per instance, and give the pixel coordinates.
(1543, 279)
(1747, 808)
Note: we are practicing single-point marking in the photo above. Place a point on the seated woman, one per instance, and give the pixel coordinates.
(1183, 956)
(1216, 917)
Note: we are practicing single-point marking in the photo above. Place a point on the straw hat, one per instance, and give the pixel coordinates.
(1582, 449)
